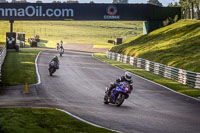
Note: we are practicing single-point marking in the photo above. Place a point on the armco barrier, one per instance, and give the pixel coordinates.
(182, 76)
(2, 57)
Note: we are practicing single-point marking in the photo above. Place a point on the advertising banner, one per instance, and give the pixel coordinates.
(76, 11)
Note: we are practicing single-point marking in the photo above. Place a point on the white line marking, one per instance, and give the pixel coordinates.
(153, 82)
(78, 118)
(37, 71)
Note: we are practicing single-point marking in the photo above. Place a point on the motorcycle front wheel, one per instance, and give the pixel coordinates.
(120, 99)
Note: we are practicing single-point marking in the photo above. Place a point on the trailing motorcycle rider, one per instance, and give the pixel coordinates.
(127, 78)
(61, 47)
(57, 46)
(55, 59)
(61, 42)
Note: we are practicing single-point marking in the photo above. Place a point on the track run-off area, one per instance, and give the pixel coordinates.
(79, 85)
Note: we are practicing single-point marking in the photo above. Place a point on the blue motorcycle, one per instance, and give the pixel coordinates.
(118, 94)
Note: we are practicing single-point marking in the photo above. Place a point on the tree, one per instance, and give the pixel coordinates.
(173, 5)
(189, 8)
(120, 1)
(176, 4)
(170, 5)
(154, 2)
(197, 6)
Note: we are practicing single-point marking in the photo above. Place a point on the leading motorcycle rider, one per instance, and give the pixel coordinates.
(127, 78)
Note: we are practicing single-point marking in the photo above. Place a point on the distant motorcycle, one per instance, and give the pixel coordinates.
(118, 94)
(52, 67)
(61, 51)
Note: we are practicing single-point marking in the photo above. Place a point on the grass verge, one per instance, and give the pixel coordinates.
(42, 121)
(19, 67)
(175, 45)
(148, 75)
(91, 32)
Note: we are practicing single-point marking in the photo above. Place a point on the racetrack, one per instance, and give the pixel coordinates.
(79, 85)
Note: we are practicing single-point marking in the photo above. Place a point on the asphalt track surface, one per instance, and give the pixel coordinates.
(79, 85)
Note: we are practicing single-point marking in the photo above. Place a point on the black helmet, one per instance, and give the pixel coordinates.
(128, 76)
(55, 57)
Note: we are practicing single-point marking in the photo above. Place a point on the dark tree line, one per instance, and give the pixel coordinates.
(154, 2)
(190, 8)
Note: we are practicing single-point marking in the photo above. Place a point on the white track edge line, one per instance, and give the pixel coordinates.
(78, 118)
(152, 81)
(37, 71)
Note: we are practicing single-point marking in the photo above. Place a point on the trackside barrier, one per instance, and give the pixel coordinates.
(3, 53)
(189, 78)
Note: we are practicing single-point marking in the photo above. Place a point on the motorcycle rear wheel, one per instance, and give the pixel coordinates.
(120, 99)
(106, 99)
(51, 71)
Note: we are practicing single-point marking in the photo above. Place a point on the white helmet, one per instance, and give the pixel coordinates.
(128, 76)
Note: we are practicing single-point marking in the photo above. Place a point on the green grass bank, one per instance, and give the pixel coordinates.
(176, 45)
(92, 32)
(42, 121)
(153, 77)
(19, 67)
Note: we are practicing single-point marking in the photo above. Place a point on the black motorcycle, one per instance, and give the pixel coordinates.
(52, 67)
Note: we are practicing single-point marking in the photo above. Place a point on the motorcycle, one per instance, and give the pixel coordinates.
(61, 51)
(52, 67)
(118, 94)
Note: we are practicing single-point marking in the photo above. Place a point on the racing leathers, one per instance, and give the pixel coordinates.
(121, 79)
(55, 59)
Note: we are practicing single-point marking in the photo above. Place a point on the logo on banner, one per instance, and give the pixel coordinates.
(112, 13)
